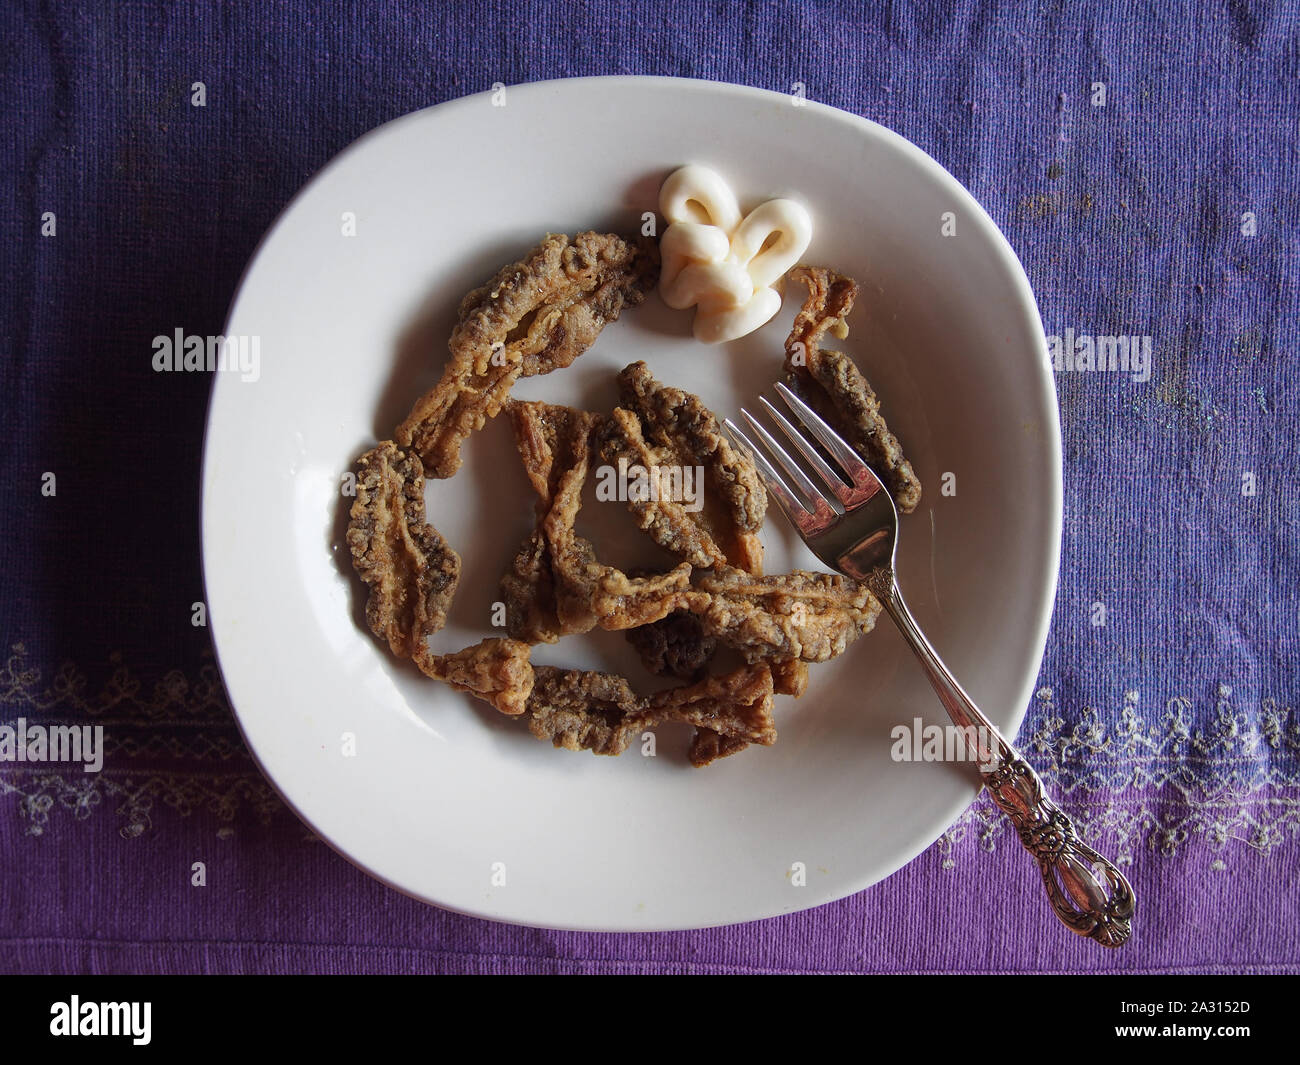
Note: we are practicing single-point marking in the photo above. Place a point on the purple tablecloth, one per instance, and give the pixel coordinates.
(1142, 162)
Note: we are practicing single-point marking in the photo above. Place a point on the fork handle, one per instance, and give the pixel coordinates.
(1087, 892)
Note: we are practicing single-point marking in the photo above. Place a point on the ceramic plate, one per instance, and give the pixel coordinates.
(348, 304)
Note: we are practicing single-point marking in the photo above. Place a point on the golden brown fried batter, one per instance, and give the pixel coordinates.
(663, 512)
(590, 593)
(534, 316)
(831, 383)
(556, 585)
(729, 712)
(830, 299)
(808, 616)
(708, 746)
(679, 646)
(495, 670)
(409, 568)
(528, 591)
(582, 710)
(553, 442)
(789, 676)
(661, 428)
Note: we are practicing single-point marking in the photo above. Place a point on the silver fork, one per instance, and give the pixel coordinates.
(858, 538)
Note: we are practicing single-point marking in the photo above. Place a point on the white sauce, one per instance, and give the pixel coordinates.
(714, 259)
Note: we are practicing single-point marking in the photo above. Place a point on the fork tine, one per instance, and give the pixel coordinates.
(794, 509)
(788, 466)
(850, 461)
(832, 480)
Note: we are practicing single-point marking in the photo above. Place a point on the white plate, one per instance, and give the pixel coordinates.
(444, 798)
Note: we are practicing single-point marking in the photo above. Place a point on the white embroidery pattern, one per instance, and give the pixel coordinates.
(1152, 784)
(1155, 783)
(146, 735)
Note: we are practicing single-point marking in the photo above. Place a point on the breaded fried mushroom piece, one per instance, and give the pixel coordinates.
(496, 670)
(800, 615)
(556, 585)
(831, 383)
(583, 710)
(660, 428)
(536, 315)
(410, 569)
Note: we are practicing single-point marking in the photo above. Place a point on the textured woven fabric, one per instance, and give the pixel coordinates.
(1143, 163)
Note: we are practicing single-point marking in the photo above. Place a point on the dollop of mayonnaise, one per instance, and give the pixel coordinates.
(720, 262)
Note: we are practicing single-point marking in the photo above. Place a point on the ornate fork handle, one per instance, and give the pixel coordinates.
(1087, 892)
